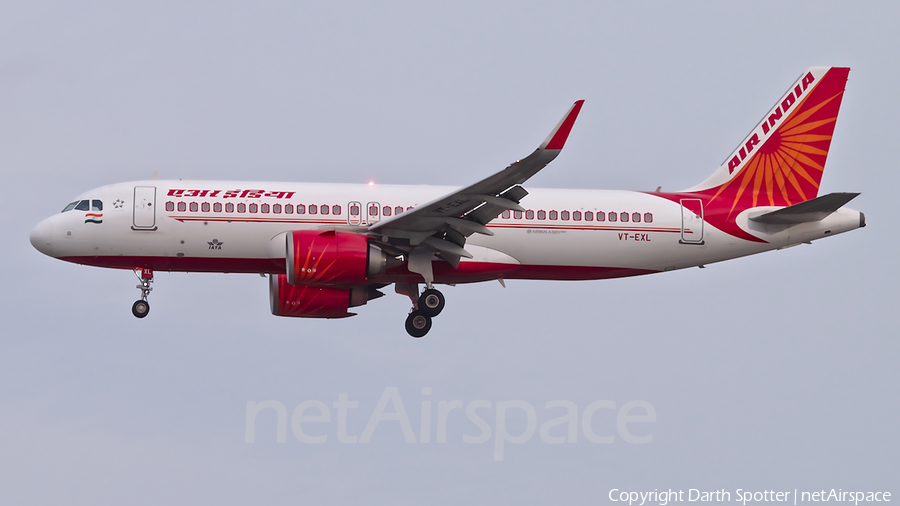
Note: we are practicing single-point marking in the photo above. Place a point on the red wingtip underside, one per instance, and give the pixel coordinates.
(565, 127)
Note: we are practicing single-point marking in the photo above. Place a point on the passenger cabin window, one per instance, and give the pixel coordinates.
(505, 215)
(517, 215)
(398, 209)
(613, 217)
(648, 218)
(313, 209)
(276, 208)
(182, 207)
(623, 217)
(324, 209)
(636, 217)
(529, 214)
(564, 215)
(289, 209)
(229, 207)
(588, 216)
(387, 211)
(553, 215)
(170, 206)
(301, 209)
(601, 216)
(253, 208)
(576, 215)
(217, 207)
(204, 207)
(542, 215)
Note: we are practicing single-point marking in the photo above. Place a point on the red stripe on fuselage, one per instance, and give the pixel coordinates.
(257, 220)
(467, 272)
(607, 228)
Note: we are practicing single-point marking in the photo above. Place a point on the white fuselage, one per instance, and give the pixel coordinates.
(221, 226)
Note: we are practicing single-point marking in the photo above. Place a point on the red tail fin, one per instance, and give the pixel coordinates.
(781, 162)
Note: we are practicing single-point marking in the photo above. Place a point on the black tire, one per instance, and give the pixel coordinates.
(140, 308)
(418, 324)
(431, 302)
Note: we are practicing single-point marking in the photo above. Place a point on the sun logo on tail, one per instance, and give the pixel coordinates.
(787, 167)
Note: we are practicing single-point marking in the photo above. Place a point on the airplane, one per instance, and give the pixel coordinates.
(327, 248)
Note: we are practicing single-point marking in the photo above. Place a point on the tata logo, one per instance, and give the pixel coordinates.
(215, 244)
(769, 123)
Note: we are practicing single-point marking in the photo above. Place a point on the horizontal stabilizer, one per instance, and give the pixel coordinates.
(816, 209)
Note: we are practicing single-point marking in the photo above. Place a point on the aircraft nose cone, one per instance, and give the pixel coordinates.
(41, 237)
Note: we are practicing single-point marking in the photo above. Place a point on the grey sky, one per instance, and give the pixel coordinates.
(771, 372)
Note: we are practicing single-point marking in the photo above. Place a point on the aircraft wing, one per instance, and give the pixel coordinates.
(444, 223)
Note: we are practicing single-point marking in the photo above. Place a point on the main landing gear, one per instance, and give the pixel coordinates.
(141, 307)
(425, 307)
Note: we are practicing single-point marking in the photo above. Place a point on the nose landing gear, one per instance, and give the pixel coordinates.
(425, 307)
(141, 307)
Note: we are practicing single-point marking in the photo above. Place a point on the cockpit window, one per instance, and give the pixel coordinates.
(84, 205)
(70, 206)
(96, 205)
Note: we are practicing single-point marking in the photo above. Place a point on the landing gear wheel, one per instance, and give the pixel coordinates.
(431, 303)
(418, 324)
(140, 308)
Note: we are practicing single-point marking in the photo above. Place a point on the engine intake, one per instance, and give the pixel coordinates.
(332, 258)
(301, 301)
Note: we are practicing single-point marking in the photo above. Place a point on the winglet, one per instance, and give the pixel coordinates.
(557, 138)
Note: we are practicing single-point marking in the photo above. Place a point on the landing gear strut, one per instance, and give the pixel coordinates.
(141, 307)
(425, 307)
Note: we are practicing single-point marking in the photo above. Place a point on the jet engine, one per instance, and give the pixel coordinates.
(332, 258)
(302, 301)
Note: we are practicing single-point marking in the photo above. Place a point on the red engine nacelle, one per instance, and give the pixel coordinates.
(301, 301)
(329, 258)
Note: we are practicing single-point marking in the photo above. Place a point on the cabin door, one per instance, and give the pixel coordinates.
(691, 221)
(144, 208)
